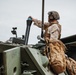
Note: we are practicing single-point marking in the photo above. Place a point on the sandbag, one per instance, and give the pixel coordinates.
(56, 56)
(71, 66)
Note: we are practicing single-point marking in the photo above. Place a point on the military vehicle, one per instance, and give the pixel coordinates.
(19, 58)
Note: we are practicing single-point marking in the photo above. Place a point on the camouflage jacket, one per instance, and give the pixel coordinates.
(51, 30)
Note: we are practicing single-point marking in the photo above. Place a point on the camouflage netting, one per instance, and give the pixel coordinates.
(71, 66)
(55, 51)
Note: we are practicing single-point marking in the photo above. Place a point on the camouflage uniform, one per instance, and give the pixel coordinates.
(55, 49)
(52, 30)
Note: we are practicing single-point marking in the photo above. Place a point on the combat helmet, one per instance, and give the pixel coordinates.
(53, 15)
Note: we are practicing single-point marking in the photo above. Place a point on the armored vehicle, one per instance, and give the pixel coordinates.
(19, 58)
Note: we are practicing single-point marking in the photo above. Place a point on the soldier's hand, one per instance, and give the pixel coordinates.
(31, 18)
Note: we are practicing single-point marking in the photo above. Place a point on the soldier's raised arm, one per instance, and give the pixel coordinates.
(38, 23)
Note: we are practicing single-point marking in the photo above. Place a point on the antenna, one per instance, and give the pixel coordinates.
(42, 18)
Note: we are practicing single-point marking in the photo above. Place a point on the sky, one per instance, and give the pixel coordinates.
(14, 13)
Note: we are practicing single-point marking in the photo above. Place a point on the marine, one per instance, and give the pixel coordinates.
(54, 49)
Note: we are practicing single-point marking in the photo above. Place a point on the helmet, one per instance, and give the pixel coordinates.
(53, 15)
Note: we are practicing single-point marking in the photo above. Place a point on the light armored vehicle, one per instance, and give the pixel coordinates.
(19, 58)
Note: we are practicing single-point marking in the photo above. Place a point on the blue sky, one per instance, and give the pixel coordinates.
(14, 13)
